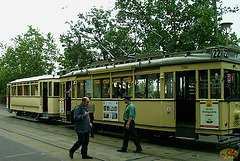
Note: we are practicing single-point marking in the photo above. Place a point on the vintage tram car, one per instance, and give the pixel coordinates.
(183, 94)
(35, 97)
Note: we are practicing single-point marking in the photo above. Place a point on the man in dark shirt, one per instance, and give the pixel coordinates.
(129, 126)
(82, 128)
(91, 108)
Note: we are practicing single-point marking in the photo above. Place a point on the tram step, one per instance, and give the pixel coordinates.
(44, 116)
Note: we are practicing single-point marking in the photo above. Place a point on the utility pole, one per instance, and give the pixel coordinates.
(215, 20)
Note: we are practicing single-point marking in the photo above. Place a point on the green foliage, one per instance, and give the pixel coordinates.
(138, 27)
(30, 55)
(174, 25)
(96, 36)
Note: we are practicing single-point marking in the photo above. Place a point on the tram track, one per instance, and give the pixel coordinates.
(65, 131)
(68, 135)
(65, 149)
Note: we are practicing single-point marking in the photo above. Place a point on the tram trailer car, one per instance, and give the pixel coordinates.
(181, 94)
(34, 98)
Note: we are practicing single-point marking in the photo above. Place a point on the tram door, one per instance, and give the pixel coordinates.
(68, 100)
(185, 104)
(45, 97)
(8, 95)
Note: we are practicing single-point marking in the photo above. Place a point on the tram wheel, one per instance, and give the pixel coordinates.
(18, 113)
(35, 116)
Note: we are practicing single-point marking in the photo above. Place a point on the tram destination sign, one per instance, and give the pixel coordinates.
(226, 54)
(218, 52)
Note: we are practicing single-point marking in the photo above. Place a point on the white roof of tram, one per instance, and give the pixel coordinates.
(156, 62)
(197, 56)
(42, 77)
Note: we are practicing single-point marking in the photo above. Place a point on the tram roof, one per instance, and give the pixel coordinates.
(36, 78)
(162, 59)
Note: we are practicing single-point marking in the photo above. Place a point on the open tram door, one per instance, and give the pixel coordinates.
(185, 104)
(45, 97)
(68, 100)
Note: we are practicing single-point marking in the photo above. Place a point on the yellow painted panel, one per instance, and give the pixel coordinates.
(30, 104)
(234, 115)
(156, 113)
(53, 106)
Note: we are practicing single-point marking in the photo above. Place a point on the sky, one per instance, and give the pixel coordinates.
(46, 15)
(51, 15)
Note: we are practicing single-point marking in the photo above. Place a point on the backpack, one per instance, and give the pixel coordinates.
(72, 116)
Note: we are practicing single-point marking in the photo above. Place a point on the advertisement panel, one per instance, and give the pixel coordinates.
(209, 114)
(61, 106)
(110, 110)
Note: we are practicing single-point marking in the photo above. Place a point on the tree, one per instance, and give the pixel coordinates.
(174, 25)
(144, 26)
(96, 36)
(31, 54)
(84, 38)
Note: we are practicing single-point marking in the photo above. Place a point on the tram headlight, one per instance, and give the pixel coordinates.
(236, 114)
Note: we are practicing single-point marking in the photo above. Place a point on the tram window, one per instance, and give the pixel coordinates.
(127, 84)
(231, 84)
(153, 86)
(63, 89)
(80, 88)
(117, 86)
(88, 88)
(26, 90)
(203, 84)
(168, 85)
(147, 86)
(106, 87)
(215, 82)
(50, 88)
(40, 88)
(19, 88)
(97, 88)
(122, 86)
(60, 90)
(34, 90)
(56, 88)
(73, 89)
(13, 90)
(141, 86)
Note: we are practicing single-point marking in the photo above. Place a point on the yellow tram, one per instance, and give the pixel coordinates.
(182, 94)
(34, 97)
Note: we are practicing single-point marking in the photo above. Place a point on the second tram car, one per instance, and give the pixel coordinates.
(181, 94)
(34, 97)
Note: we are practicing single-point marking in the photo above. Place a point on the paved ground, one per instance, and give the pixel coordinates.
(22, 140)
(15, 151)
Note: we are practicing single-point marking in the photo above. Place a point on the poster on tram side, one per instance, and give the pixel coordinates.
(61, 106)
(110, 110)
(209, 114)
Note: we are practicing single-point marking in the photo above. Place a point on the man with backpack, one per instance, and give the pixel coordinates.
(82, 128)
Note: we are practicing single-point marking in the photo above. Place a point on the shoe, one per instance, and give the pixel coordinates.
(92, 136)
(87, 157)
(138, 151)
(121, 150)
(70, 154)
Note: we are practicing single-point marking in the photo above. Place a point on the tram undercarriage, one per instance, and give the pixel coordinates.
(35, 116)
